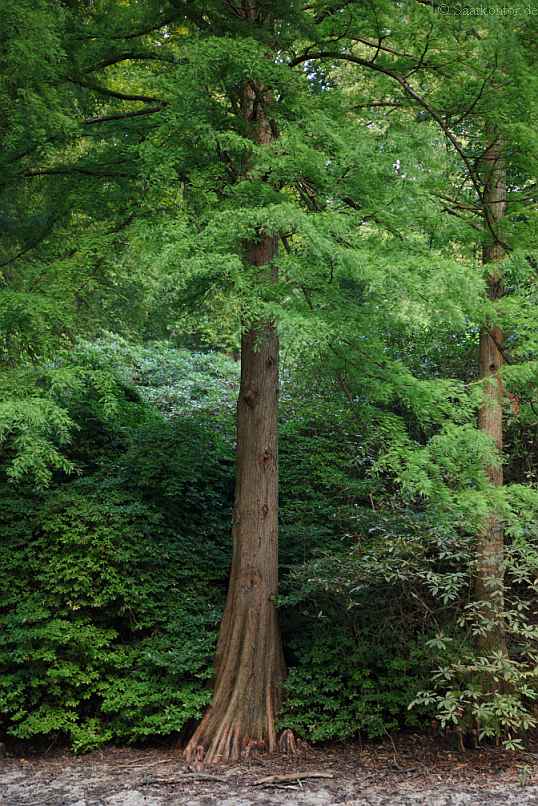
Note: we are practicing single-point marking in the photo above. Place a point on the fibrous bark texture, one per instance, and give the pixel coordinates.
(490, 549)
(249, 665)
(249, 661)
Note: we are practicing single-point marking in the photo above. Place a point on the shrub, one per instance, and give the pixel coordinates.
(112, 582)
(341, 685)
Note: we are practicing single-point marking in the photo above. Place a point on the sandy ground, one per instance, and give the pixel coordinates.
(413, 771)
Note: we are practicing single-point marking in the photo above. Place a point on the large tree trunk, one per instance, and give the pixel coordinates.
(249, 665)
(490, 550)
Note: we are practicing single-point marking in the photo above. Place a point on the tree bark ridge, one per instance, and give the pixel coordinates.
(489, 580)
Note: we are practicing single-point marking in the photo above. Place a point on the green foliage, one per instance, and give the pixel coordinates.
(112, 583)
(130, 186)
(486, 696)
(175, 381)
(341, 684)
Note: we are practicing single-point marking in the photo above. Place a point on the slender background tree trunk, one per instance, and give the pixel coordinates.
(489, 578)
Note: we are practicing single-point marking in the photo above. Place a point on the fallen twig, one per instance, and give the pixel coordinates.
(134, 765)
(291, 776)
(187, 776)
(286, 787)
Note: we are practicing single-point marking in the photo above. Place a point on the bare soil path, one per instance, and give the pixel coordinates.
(413, 771)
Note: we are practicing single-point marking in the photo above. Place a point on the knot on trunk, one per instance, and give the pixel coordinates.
(250, 580)
(250, 396)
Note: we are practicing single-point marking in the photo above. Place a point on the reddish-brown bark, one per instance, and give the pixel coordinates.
(490, 546)
(249, 664)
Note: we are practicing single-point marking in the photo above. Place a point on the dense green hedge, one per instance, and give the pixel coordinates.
(113, 578)
(110, 604)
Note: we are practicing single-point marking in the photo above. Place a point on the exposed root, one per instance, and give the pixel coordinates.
(197, 758)
(237, 730)
(251, 747)
(287, 743)
(228, 746)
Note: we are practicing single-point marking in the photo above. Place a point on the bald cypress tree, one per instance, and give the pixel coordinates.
(216, 135)
(463, 75)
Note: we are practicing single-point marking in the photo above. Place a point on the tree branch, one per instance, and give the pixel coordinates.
(122, 96)
(412, 93)
(28, 248)
(123, 115)
(154, 26)
(334, 9)
(379, 47)
(73, 169)
(133, 56)
(463, 218)
(379, 104)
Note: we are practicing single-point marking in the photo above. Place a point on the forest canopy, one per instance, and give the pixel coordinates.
(269, 363)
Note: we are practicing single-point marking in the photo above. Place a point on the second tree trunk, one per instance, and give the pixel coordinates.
(490, 549)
